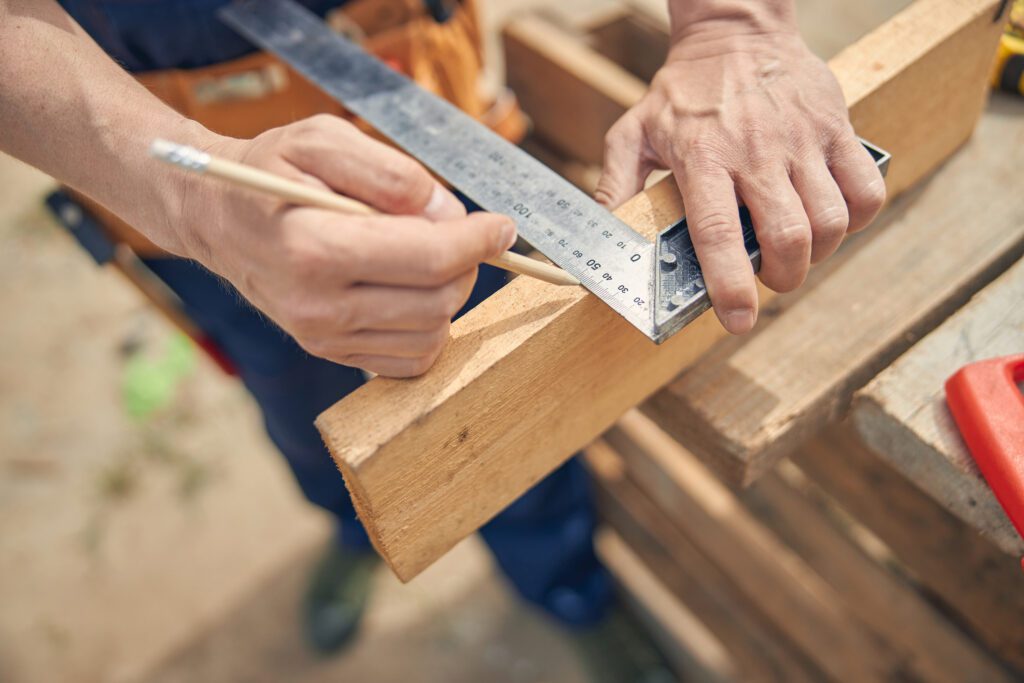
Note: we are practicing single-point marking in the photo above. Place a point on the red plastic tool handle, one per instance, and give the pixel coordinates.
(988, 408)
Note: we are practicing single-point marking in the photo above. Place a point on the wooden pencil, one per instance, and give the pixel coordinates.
(289, 190)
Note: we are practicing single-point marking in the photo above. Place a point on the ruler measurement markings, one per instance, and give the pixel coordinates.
(629, 273)
(486, 168)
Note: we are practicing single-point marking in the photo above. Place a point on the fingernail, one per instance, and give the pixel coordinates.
(443, 205)
(738, 321)
(508, 234)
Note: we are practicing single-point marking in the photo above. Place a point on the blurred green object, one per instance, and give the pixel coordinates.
(149, 384)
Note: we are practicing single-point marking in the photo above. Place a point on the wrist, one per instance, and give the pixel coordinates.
(186, 200)
(730, 20)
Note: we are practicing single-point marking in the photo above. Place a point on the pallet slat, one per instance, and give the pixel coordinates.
(968, 575)
(936, 649)
(572, 93)
(745, 406)
(770, 575)
(532, 375)
(695, 652)
(756, 648)
(902, 413)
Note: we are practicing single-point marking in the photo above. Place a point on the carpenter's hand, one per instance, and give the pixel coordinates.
(759, 118)
(372, 292)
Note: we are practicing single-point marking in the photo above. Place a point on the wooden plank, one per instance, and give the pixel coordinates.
(902, 413)
(939, 73)
(969, 576)
(529, 377)
(759, 651)
(769, 574)
(429, 460)
(696, 654)
(572, 94)
(933, 648)
(748, 405)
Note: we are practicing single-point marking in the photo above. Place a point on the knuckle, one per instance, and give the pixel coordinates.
(325, 124)
(401, 171)
(733, 289)
(833, 126)
(315, 346)
(303, 319)
(871, 197)
(704, 154)
(438, 265)
(302, 254)
(437, 310)
(715, 230)
(345, 315)
(789, 240)
(313, 136)
(802, 146)
(439, 337)
(759, 185)
(419, 365)
(734, 299)
(407, 185)
(620, 132)
(830, 221)
(450, 301)
(762, 152)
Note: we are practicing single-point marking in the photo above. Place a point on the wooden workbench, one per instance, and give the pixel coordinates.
(833, 565)
(902, 414)
(847, 562)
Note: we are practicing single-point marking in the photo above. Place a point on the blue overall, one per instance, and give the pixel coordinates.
(543, 541)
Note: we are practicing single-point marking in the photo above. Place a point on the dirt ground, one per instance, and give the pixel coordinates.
(124, 540)
(174, 547)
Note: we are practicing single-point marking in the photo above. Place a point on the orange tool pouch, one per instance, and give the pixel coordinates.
(244, 97)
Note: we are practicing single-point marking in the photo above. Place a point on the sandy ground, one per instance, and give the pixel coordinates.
(174, 548)
(124, 540)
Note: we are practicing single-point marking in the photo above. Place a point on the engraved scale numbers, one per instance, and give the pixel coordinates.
(608, 261)
(608, 247)
(601, 265)
(553, 215)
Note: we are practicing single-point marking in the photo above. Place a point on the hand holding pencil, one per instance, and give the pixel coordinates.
(372, 288)
(301, 194)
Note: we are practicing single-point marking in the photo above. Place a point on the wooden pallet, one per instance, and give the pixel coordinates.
(835, 568)
(777, 576)
(576, 78)
(838, 569)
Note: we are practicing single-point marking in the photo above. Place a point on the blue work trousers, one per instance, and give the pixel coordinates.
(542, 542)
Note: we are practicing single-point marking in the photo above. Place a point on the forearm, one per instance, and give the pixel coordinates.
(696, 18)
(69, 110)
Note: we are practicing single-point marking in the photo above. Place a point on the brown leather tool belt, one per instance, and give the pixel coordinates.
(244, 97)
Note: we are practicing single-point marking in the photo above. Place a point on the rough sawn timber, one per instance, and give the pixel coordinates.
(536, 372)
(902, 414)
(528, 378)
(744, 408)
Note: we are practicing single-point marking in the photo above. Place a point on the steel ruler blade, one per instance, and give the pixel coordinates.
(657, 286)
(611, 259)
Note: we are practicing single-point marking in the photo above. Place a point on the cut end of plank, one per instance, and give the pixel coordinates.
(536, 372)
